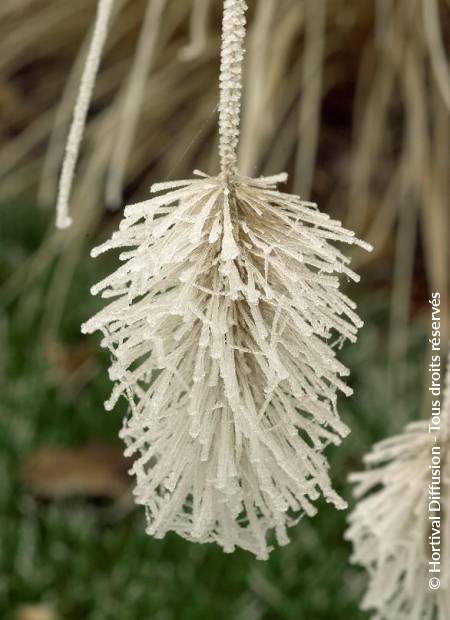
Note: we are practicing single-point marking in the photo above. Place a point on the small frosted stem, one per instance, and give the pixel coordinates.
(80, 112)
(231, 57)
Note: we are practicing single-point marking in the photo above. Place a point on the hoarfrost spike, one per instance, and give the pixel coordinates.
(219, 323)
(218, 329)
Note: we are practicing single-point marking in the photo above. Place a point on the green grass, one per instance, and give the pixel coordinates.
(91, 567)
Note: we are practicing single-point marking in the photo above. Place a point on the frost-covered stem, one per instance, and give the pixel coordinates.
(80, 112)
(231, 57)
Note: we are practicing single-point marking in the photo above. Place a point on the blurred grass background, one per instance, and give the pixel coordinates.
(354, 105)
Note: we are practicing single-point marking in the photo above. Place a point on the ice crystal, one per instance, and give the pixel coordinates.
(218, 328)
(390, 527)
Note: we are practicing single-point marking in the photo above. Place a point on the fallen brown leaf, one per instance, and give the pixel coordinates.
(92, 470)
(35, 612)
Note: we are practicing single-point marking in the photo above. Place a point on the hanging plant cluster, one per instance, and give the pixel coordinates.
(219, 322)
(392, 529)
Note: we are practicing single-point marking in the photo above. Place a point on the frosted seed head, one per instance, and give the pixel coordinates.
(228, 326)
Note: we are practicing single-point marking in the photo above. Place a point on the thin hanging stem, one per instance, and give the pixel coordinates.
(436, 48)
(81, 109)
(198, 31)
(133, 101)
(312, 80)
(231, 57)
